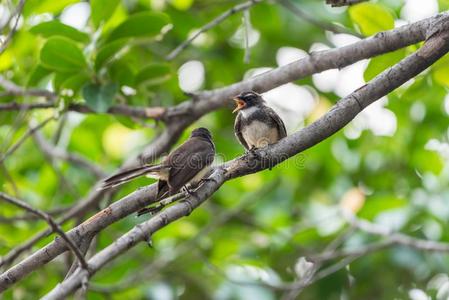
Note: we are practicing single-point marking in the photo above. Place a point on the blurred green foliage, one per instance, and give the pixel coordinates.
(255, 227)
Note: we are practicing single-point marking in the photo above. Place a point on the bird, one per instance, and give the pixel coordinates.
(186, 165)
(256, 124)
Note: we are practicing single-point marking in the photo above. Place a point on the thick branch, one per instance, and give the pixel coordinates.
(343, 2)
(341, 114)
(211, 100)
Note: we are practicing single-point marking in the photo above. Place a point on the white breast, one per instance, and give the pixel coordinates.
(258, 134)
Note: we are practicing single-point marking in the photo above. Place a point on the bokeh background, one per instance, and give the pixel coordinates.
(390, 165)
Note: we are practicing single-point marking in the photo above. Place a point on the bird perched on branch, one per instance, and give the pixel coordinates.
(256, 125)
(186, 165)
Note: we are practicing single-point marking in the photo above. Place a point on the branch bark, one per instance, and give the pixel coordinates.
(342, 113)
(208, 101)
(343, 2)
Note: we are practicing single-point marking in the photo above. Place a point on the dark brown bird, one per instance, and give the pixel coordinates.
(256, 125)
(187, 164)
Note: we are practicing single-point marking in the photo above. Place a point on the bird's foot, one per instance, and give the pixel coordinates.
(150, 210)
(208, 179)
(187, 190)
(253, 152)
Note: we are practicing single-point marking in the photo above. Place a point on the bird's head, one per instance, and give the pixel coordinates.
(201, 132)
(246, 100)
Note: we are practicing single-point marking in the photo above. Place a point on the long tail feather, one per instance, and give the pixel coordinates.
(128, 175)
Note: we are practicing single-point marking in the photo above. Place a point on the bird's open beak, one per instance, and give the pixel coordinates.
(240, 104)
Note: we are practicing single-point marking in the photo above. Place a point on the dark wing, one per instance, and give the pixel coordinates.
(187, 160)
(279, 123)
(128, 175)
(238, 131)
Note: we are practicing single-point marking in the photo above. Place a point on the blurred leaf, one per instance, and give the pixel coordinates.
(126, 121)
(380, 63)
(377, 204)
(72, 82)
(440, 71)
(122, 73)
(55, 27)
(108, 51)
(38, 73)
(371, 18)
(443, 4)
(102, 10)
(99, 97)
(441, 75)
(140, 25)
(153, 74)
(62, 54)
(182, 4)
(6, 60)
(46, 6)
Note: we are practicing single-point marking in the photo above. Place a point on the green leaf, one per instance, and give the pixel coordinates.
(46, 6)
(440, 71)
(70, 81)
(377, 204)
(126, 121)
(56, 28)
(102, 10)
(122, 73)
(75, 82)
(108, 51)
(153, 74)
(182, 4)
(99, 97)
(371, 18)
(61, 54)
(38, 73)
(142, 25)
(380, 63)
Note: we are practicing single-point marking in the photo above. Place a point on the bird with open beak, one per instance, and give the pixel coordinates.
(256, 125)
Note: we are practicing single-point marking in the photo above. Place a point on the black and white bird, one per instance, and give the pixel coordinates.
(186, 165)
(256, 125)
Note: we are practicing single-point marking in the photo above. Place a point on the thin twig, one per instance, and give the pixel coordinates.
(247, 28)
(30, 131)
(54, 226)
(55, 152)
(211, 24)
(8, 38)
(32, 217)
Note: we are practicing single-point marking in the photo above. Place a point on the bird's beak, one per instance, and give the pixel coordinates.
(240, 104)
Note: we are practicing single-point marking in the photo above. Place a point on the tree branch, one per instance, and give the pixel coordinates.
(16, 14)
(341, 114)
(343, 2)
(30, 131)
(55, 152)
(55, 227)
(212, 100)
